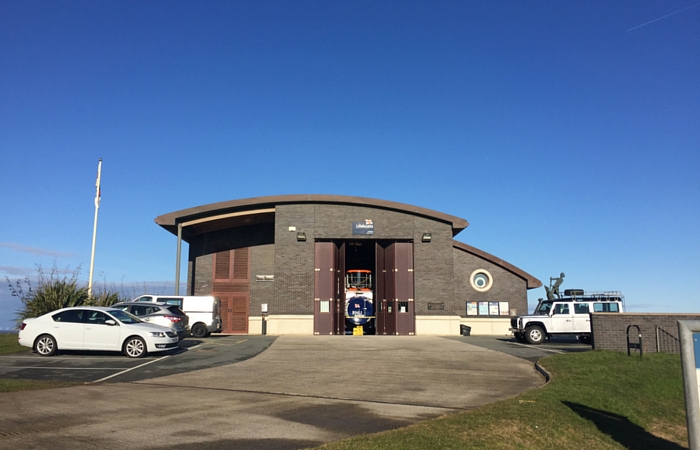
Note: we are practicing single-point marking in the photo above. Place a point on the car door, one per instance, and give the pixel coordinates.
(582, 317)
(67, 328)
(98, 334)
(562, 318)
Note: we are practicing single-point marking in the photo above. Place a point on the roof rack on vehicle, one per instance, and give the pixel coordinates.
(580, 295)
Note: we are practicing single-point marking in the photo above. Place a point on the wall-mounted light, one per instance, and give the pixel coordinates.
(301, 236)
(427, 237)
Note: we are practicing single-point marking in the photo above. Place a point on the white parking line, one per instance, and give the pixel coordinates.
(129, 370)
(63, 368)
(537, 348)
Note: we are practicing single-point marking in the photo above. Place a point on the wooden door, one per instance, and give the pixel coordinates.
(324, 287)
(231, 283)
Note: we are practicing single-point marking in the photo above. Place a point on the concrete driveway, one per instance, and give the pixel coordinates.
(300, 392)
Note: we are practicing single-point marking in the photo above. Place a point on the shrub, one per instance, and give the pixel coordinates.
(55, 291)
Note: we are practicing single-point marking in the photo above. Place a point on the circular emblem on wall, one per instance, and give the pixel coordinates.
(481, 280)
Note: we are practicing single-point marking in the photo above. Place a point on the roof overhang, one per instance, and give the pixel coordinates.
(216, 216)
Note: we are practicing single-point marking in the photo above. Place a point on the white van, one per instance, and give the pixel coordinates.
(204, 311)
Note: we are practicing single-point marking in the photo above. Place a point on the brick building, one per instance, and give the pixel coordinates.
(287, 259)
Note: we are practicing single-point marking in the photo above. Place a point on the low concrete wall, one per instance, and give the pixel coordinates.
(488, 327)
(425, 325)
(437, 325)
(290, 324)
(610, 330)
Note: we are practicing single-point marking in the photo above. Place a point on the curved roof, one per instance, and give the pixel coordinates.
(263, 209)
(531, 281)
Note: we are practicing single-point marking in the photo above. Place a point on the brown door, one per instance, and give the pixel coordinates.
(324, 287)
(386, 288)
(339, 318)
(380, 282)
(403, 282)
(395, 288)
(231, 283)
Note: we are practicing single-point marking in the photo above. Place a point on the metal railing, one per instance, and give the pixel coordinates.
(666, 342)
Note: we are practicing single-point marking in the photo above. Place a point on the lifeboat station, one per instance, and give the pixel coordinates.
(342, 265)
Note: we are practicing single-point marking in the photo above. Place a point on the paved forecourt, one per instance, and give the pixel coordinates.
(300, 392)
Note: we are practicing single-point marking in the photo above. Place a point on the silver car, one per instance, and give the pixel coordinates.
(162, 314)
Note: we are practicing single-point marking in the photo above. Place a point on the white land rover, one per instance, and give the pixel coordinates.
(565, 316)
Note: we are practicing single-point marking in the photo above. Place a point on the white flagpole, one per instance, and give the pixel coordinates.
(94, 229)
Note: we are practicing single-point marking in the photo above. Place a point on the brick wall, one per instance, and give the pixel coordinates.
(433, 267)
(262, 262)
(507, 287)
(294, 264)
(294, 260)
(610, 330)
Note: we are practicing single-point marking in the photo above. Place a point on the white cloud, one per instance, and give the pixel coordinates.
(15, 271)
(34, 250)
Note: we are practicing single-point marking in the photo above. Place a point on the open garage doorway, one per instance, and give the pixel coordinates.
(363, 286)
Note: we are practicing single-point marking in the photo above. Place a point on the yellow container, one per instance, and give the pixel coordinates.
(357, 331)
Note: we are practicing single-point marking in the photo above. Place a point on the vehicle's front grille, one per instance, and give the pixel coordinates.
(514, 322)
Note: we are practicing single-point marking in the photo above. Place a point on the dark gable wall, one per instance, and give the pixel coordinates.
(294, 261)
(507, 287)
(203, 247)
(433, 267)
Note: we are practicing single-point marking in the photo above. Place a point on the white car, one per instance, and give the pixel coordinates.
(94, 328)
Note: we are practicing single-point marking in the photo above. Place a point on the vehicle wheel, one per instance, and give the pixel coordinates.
(534, 335)
(135, 347)
(585, 339)
(199, 331)
(519, 337)
(45, 345)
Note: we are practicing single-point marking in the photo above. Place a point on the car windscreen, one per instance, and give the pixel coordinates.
(544, 308)
(123, 316)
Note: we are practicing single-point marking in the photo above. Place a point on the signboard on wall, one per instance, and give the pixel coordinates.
(487, 309)
(366, 227)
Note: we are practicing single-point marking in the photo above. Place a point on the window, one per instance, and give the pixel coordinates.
(581, 308)
(171, 301)
(96, 318)
(141, 310)
(70, 316)
(606, 307)
(481, 280)
(561, 308)
(124, 317)
(544, 308)
(145, 298)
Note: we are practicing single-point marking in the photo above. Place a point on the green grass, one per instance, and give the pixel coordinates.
(596, 400)
(9, 345)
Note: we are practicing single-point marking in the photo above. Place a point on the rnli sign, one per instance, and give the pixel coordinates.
(366, 227)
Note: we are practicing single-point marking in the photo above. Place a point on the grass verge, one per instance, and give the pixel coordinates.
(596, 400)
(9, 345)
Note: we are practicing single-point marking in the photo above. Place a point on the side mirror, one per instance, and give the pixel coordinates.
(110, 322)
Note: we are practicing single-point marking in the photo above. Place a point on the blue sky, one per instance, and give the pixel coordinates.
(566, 133)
